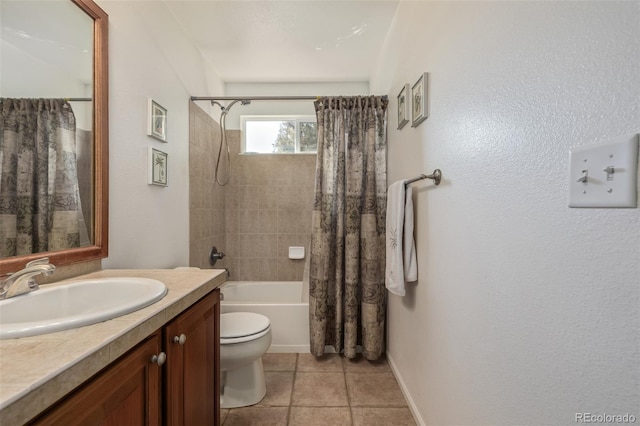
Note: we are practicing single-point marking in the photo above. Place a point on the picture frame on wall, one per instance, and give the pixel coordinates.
(158, 167)
(157, 121)
(404, 104)
(420, 100)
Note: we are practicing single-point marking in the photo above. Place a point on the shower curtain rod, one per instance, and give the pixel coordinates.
(260, 98)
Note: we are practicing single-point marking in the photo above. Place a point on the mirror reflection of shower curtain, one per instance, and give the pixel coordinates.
(40, 207)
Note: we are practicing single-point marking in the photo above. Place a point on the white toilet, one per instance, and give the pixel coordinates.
(244, 338)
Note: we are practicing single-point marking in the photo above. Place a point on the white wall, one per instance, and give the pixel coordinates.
(526, 311)
(149, 56)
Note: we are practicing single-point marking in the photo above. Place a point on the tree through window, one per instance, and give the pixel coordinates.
(279, 134)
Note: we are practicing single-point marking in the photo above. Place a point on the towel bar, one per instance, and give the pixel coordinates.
(436, 176)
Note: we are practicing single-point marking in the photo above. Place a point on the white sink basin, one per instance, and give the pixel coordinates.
(80, 303)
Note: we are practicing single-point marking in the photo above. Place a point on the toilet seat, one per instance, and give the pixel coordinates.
(238, 327)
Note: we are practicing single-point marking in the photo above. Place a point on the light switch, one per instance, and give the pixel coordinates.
(604, 175)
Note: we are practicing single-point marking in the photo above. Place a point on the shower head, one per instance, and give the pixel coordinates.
(226, 109)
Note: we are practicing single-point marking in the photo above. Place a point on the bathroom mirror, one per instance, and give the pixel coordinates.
(75, 47)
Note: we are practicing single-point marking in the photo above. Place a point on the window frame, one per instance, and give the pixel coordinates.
(297, 118)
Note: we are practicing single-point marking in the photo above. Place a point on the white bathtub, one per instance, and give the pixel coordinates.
(280, 302)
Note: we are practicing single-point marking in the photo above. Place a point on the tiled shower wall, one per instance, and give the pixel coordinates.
(268, 209)
(263, 210)
(206, 197)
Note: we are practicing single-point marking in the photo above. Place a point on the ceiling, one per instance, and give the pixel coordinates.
(287, 41)
(31, 35)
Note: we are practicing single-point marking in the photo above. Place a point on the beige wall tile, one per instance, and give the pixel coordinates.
(231, 221)
(268, 197)
(268, 245)
(246, 270)
(290, 270)
(267, 221)
(231, 198)
(249, 245)
(232, 248)
(248, 221)
(248, 197)
(234, 140)
(294, 221)
(268, 268)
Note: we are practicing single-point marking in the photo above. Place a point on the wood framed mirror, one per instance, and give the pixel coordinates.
(98, 245)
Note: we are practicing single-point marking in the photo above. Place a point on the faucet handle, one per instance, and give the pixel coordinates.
(41, 261)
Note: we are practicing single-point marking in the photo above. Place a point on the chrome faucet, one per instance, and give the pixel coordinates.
(22, 281)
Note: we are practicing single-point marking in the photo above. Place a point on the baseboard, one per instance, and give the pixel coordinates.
(405, 391)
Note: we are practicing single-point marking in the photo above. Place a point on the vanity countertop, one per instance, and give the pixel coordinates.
(37, 371)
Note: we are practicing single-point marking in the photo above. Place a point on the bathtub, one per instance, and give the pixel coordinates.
(280, 302)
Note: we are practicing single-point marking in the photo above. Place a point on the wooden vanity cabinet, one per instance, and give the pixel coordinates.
(135, 390)
(191, 383)
(126, 393)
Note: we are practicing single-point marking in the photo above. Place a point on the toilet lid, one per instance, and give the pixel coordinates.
(241, 324)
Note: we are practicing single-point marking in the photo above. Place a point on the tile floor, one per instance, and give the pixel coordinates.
(303, 390)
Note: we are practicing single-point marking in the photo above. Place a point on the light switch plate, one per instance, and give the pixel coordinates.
(604, 175)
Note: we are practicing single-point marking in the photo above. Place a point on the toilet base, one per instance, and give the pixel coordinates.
(243, 386)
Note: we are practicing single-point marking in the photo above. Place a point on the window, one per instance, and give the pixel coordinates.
(279, 134)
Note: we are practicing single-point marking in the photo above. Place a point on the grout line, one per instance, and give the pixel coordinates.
(346, 387)
(295, 373)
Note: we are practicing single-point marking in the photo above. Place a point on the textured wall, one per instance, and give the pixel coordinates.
(525, 311)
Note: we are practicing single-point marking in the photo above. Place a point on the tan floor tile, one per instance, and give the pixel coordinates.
(320, 390)
(324, 364)
(279, 362)
(320, 416)
(224, 412)
(361, 365)
(279, 387)
(382, 417)
(257, 416)
(374, 389)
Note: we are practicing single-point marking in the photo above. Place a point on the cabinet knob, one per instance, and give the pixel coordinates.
(159, 359)
(180, 339)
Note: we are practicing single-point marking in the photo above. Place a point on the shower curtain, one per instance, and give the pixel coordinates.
(347, 296)
(40, 207)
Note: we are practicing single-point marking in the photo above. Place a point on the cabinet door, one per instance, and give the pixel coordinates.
(192, 390)
(125, 393)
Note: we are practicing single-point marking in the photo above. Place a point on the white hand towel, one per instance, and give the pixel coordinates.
(394, 270)
(410, 261)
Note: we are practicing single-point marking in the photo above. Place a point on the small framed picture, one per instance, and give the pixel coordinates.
(157, 123)
(158, 167)
(403, 106)
(420, 100)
